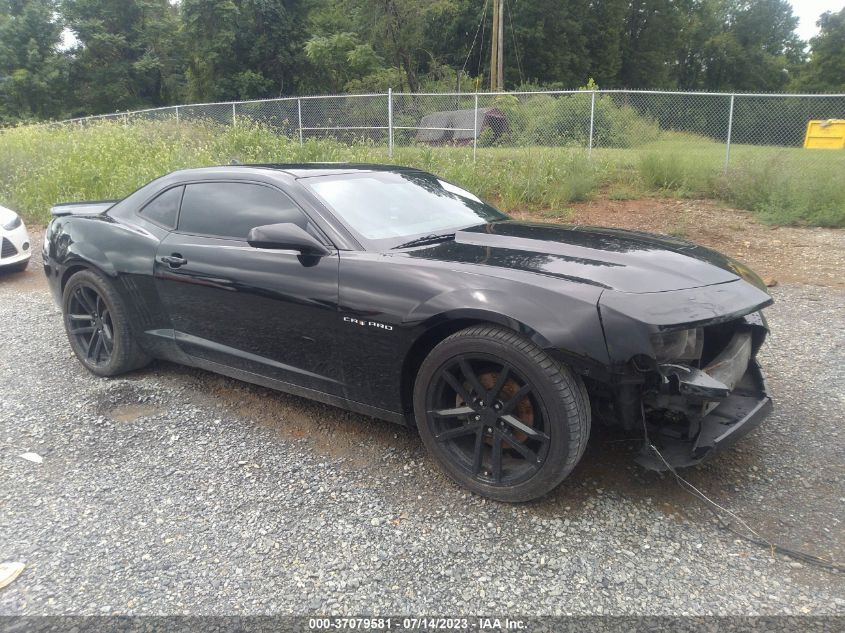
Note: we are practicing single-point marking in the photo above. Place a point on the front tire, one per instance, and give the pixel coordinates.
(97, 326)
(500, 416)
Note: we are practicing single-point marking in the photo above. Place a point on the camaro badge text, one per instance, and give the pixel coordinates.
(381, 326)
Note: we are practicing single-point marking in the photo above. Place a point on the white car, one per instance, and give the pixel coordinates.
(15, 248)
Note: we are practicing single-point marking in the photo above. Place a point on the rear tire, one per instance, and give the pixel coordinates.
(500, 416)
(97, 326)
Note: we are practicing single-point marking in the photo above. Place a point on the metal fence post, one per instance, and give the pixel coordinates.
(299, 111)
(234, 116)
(177, 115)
(730, 130)
(390, 122)
(592, 124)
(475, 128)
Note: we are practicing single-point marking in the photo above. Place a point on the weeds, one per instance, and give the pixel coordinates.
(774, 191)
(40, 166)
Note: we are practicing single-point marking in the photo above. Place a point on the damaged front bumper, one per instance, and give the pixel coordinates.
(708, 409)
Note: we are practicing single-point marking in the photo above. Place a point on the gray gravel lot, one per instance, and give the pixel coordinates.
(173, 490)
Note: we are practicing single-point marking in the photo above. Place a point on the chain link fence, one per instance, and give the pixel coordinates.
(618, 126)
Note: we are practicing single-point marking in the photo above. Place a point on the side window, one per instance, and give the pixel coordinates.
(164, 208)
(231, 209)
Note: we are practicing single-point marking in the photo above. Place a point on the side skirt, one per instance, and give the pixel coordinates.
(304, 392)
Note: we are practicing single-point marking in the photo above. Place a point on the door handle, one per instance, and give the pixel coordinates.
(174, 261)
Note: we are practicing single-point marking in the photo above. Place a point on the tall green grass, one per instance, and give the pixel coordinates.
(40, 166)
(771, 187)
(782, 186)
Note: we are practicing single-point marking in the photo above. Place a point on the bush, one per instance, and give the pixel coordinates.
(622, 126)
(548, 120)
(661, 172)
(680, 173)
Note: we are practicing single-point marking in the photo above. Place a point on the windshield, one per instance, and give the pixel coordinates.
(392, 207)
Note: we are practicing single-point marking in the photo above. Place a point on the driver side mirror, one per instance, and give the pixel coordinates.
(286, 236)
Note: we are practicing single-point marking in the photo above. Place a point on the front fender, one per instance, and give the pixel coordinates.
(408, 300)
(480, 305)
(566, 323)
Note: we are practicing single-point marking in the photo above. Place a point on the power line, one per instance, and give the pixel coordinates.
(481, 23)
(750, 534)
(515, 46)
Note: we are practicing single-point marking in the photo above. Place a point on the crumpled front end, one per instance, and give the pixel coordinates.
(704, 404)
(692, 386)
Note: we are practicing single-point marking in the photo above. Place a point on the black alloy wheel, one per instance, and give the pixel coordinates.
(485, 415)
(90, 324)
(97, 326)
(500, 416)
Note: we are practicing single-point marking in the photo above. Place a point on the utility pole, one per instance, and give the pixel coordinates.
(497, 58)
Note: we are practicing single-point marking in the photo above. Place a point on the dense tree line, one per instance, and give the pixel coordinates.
(63, 58)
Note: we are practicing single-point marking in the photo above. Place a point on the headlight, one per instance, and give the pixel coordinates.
(14, 223)
(678, 345)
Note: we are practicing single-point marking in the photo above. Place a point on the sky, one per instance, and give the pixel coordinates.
(808, 11)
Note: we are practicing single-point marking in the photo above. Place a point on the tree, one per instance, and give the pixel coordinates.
(243, 49)
(448, 33)
(210, 28)
(341, 57)
(825, 71)
(739, 45)
(701, 20)
(132, 54)
(604, 26)
(32, 71)
(127, 54)
(650, 41)
(395, 29)
(399, 26)
(552, 41)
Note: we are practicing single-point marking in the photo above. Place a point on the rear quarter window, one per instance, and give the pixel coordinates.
(164, 208)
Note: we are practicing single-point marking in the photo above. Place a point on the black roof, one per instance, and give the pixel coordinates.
(305, 170)
(295, 170)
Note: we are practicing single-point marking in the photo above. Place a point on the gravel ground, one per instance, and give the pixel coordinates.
(176, 491)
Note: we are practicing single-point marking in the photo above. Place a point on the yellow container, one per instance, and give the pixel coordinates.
(829, 134)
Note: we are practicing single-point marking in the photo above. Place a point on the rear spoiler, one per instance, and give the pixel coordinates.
(93, 207)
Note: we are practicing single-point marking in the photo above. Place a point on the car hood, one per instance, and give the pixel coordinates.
(627, 261)
(6, 215)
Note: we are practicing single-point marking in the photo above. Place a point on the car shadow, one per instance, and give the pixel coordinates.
(362, 443)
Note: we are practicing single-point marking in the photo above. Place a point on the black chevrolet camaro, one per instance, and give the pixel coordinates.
(391, 292)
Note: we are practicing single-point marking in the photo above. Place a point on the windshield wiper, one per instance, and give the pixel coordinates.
(427, 239)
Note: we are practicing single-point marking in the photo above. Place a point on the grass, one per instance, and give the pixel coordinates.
(782, 186)
(40, 166)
